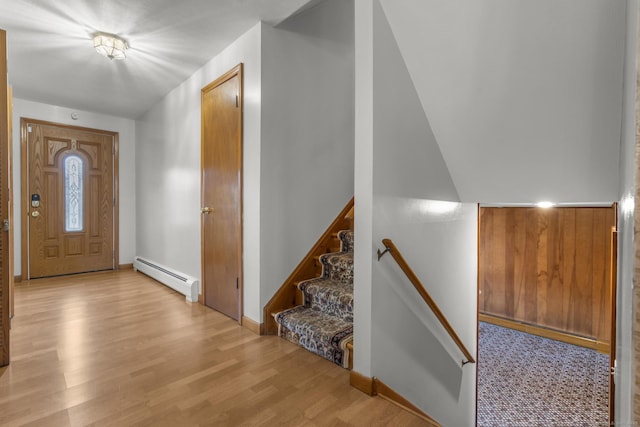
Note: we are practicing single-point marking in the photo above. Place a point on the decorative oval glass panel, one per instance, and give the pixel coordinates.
(73, 167)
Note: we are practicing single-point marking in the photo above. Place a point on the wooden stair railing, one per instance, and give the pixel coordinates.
(395, 253)
(287, 296)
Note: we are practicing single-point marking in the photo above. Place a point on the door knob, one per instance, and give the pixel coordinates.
(206, 210)
(35, 213)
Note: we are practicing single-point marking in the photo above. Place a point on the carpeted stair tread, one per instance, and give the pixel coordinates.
(337, 266)
(330, 296)
(318, 332)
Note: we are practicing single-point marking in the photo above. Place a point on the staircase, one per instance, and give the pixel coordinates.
(323, 324)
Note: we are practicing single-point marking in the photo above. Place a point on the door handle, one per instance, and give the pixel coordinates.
(207, 210)
(35, 213)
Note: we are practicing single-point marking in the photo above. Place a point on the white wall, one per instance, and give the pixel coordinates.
(168, 170)
(624, 344)
(307, 134)
(524, 97)
(126, 167)
(496, 101)
(298, 131)
(410, 351)
(407, 142)
(363, 188)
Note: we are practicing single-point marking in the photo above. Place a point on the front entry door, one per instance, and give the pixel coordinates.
(222, 193)
(69, 199)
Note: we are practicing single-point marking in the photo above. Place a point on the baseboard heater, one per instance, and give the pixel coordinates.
(186, 285)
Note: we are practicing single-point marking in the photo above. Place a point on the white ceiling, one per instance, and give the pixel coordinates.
(51, 57)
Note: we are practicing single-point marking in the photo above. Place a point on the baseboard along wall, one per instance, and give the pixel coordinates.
(599, 346)
(374, 387)
(252, 325)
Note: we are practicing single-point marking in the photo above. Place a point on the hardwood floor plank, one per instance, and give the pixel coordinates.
(119, 349)
(59, 419)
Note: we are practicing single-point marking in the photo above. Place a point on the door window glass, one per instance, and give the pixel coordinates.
(73, 166)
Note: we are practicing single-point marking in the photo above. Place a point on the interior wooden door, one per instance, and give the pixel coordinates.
(222, 193)
(69, 199)
(5, 233)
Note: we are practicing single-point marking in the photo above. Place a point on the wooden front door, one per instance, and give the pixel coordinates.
(222, 193)
(69, 199)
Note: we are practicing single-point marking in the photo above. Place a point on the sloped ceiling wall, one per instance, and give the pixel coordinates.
(523, 97)
(407, 158)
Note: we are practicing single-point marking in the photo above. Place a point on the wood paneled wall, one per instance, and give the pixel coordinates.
(548, 267)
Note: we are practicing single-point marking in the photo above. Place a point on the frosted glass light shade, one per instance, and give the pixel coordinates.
(109, 45)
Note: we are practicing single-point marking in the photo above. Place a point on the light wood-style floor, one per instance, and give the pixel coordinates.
(119, 349)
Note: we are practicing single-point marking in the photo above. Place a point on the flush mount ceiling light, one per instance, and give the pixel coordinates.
(110, 45)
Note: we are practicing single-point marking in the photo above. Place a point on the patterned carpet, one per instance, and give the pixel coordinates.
(556, 384)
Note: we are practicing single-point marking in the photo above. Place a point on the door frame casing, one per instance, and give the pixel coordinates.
(614, 314)
(24, 177)
(238, 71)
(5, 236)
